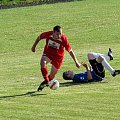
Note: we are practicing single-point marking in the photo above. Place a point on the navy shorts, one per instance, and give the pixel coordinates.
(98, 68)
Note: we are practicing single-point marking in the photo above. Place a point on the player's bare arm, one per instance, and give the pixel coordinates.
(89, 76)
(72, 54)
(35, 44)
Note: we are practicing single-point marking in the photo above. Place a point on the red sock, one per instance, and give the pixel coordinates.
(44, 72)
(50, 78)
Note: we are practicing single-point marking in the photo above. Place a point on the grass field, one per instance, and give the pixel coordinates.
(91, 25)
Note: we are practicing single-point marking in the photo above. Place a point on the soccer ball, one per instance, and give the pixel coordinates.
(53, 84)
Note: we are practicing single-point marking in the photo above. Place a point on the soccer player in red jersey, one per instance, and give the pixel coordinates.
(53, 53)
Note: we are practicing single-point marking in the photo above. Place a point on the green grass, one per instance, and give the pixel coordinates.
(91, 25)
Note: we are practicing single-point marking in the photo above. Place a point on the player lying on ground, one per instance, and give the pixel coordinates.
(94, 73)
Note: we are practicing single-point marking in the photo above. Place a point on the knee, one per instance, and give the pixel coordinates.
(90, 56)
(43, 63)
(100, 59)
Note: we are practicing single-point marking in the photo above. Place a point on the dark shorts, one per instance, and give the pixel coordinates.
(97, 68)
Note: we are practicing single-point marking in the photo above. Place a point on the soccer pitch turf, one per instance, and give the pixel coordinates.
(90, 25)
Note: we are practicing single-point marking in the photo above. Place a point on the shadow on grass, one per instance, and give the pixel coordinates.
(29, 94)
(67, 84)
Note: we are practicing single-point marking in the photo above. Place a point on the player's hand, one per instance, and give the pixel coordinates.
(84, 64)
(33, 49)
(78, 65)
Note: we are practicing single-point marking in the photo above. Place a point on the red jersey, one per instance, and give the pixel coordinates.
(55, 47)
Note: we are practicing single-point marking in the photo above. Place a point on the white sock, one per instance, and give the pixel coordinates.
(107, 66)
(96, 55)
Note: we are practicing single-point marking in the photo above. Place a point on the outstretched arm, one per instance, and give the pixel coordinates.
(72, 54)
(89, 75)
(40, 37)
(35, 44)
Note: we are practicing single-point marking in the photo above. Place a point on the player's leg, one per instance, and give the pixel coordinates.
(53, 72)
(97, 67)
(102, 60)
(93, 55)
(56, 64)
(44, 71)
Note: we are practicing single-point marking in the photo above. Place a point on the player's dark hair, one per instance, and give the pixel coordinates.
(65, 77)
(56, 28)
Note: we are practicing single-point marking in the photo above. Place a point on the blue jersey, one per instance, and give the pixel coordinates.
(82, 77)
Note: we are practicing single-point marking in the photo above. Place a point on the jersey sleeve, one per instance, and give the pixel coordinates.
(66, 44)
(80, 78)
(44, 35)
